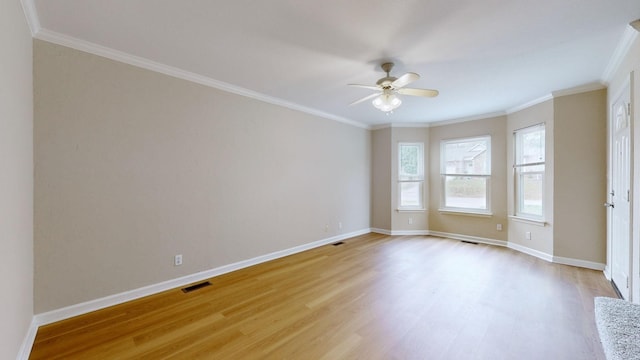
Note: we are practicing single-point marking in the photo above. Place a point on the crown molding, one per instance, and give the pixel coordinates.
(579, 89)
(380, 126)
(468, 118)
(123, 57)
(31, 13)
(410, 125)
(529, 104)
(624, 45)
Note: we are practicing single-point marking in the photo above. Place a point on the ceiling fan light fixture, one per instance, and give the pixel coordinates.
(387, 101)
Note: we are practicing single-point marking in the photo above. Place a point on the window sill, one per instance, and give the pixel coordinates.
(528, 221)
(465, 213)
(411, 210)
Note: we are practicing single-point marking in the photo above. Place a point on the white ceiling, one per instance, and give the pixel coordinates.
(484, 57)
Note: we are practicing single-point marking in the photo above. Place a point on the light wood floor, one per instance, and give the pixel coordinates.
(375, 297)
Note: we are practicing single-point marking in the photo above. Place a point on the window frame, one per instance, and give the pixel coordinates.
(518, 196)
(419, 179)
(444, 174)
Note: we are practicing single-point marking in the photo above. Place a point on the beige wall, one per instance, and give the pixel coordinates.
(400, 219)
(541, 236)
(484, 227)
(133, 167)
(16, 179)
(580, 170)
(381, 179)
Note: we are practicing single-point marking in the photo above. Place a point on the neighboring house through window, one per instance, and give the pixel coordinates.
(465, 169)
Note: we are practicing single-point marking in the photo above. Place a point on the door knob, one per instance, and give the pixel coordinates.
(609, 205)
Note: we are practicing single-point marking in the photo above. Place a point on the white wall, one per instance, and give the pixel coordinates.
(16, 179)
(133, 167)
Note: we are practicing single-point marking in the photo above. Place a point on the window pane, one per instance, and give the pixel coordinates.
(532, 168)
(469, 156)
(465, 192)
(410, 162)
(411, 194)
(531, 194)
(530, 145)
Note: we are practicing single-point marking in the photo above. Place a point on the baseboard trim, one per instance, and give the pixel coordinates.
(27, 343)
(579, 263)
(529, 251)
(607, 272)
(409, 232)
(399, 232)
(381, 231)
(111, 300)
(462, 237)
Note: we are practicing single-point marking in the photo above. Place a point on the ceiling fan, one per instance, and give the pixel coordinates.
(388, 87)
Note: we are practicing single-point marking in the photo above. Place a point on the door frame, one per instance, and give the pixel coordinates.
(633, 230)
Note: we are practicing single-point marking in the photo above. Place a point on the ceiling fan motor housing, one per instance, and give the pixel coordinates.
(386, 82)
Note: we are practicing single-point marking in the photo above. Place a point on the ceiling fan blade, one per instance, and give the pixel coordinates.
(419, 92)
(370, 87)
(405, 80)
(365, 99)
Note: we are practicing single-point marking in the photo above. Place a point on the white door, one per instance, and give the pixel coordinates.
(619, 201)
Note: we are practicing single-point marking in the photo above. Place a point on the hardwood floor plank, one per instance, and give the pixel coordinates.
(373, 297)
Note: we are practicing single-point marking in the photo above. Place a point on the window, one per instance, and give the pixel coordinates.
(410, 176)
(529, 171)
(465, 168)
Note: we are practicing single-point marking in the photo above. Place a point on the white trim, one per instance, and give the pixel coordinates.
(381, 231)
(517, 247)
(409, 232)
(529, 104)
(529, 251)
(409, 210)
(31, 14)
(611, 99)
(551, 96)
(111, 300)
(399, 232)
(524, 220)
(469, 238)
(27, 343)
(607, 272)
(409, 125)
(579, 89)
(579, 263)
(120, 56)
(624, 45)
(380, 126)
(468, 118)
(452, 211)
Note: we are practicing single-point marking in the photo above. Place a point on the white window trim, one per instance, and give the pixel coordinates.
(420, 180)
(528, 218)
(443, 175)
(465, 212)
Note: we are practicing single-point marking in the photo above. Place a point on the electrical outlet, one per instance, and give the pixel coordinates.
(527, 235)
(499, 227)
(410, 221)
(177, 260)
(340, 225)
(326, 227)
